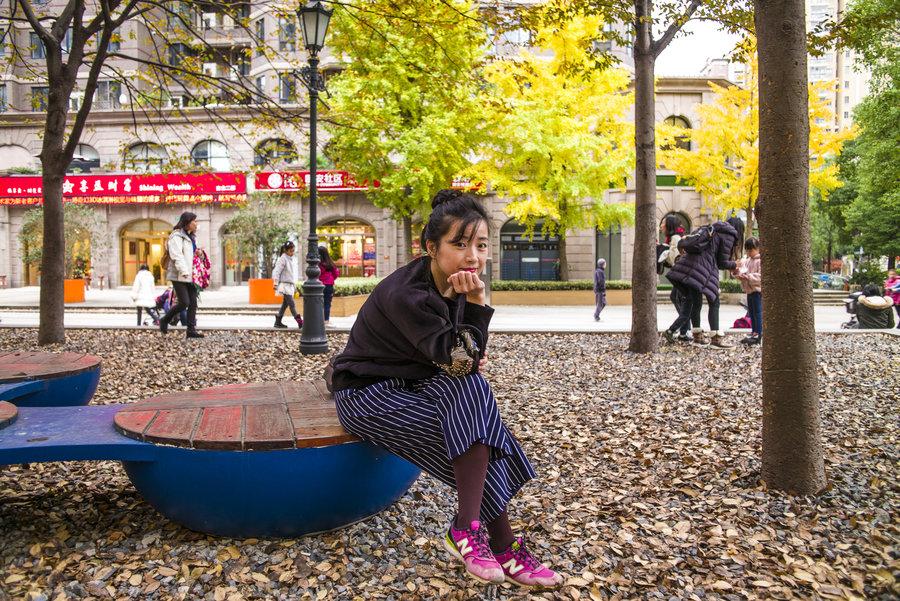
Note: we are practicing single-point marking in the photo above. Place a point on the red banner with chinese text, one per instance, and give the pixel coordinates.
(131, 188)
(326, 181)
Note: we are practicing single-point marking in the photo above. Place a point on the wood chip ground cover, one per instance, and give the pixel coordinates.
(649, 484)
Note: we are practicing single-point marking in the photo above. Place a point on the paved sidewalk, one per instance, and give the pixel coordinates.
(227, 308)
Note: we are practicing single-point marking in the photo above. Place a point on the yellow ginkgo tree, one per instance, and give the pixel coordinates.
(723, 162)
(560, 134)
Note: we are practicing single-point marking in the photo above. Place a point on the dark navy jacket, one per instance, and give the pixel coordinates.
(701, 271)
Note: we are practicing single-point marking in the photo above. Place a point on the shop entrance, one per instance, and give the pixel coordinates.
(351, 244)
(142, 243)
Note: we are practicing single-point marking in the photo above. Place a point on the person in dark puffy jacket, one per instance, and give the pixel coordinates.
(697, 275)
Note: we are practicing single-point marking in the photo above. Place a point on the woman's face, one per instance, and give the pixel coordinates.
(191, 227)
(468, 254)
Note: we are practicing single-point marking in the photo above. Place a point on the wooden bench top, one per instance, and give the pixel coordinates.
(21, 366)
(8, 413)
(269, 415)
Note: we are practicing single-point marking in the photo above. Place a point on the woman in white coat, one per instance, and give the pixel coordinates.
(180, 270)
(285, 284)
(143, 293)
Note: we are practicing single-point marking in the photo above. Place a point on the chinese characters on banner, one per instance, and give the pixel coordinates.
(326, 181)
(131, 188)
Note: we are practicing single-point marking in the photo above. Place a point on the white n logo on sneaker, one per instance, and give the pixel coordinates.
(513, 567)
(463, 546)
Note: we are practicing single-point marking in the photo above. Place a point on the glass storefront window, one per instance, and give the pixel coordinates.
(524, 257)
(351, 244)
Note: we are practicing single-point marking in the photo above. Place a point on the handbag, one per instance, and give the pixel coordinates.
(466, 351)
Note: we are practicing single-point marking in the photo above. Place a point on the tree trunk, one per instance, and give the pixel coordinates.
(563, 261)
(644, 334)
(748, 229)
(791, 430)
(53, 258)
(407, 240)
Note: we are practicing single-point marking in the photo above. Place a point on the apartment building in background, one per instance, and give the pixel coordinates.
(840, 65)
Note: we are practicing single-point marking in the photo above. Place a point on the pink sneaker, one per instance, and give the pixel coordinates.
(472, 547)
(520, 567)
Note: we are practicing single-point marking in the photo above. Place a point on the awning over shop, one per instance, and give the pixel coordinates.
(131, 188)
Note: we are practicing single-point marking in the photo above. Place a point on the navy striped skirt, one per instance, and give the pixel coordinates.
(433, 421)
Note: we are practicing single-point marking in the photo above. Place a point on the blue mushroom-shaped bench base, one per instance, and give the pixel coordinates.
(280, 493)
(36, 379)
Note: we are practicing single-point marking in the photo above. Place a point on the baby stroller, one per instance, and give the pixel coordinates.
(850, 305)
(164, 303)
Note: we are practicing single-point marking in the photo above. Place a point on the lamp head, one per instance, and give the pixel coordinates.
(314, 18)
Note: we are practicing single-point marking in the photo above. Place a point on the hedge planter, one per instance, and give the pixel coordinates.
(262, 292)
(557, 297)
(345, 306)
(73, 291)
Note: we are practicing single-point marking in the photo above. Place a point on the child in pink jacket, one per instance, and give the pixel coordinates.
(750, 275)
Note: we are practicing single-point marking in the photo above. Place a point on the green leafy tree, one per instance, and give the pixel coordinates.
(831, 236)
(259, 228)
(561, 136)
(404, 111)
(83, 234)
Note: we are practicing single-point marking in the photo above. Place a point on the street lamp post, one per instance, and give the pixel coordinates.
(314, 18)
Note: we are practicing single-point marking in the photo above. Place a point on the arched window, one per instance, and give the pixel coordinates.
(146, 157)
(85, 158)
(212, 154)
(524, 257)
(681, 141)
(274, 152)
(13, 156)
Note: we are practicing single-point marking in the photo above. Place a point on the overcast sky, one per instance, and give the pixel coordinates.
(687, 54)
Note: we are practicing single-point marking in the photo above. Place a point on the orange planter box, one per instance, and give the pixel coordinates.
(73, 291)
(262, 292)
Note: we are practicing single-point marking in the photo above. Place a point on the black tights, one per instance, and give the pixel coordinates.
(287, 302)
(689, 310)
(186, 293)
(470, 471)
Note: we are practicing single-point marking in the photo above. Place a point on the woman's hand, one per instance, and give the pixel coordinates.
(483, 362)
(469, 284)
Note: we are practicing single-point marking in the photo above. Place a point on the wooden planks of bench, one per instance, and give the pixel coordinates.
(26, 365)
(8, 413)
(257, 416)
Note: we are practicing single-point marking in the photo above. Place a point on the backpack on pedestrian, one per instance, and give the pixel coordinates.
(697, 241)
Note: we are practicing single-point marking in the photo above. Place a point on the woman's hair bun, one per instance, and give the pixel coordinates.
(445, 196)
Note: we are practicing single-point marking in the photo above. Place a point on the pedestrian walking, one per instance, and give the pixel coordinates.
(696, 274)
(749, 273)
(179, 262)
(672, 233)
(143, 294)
(328, 273)
(892, 289)
(286, 283)
(409, 381)
(599, 288)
